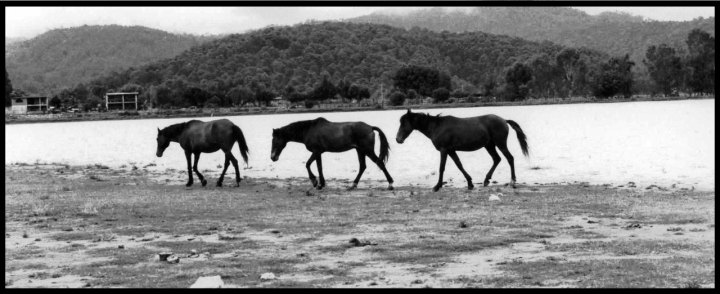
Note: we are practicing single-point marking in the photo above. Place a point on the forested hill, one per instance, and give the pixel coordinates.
(368, 55)
(616, 34)
(64, 57)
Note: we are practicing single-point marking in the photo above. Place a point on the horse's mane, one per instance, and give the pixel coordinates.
(173, 130)
(298, 127)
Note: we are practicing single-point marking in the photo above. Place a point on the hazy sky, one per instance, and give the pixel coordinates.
(29, 22)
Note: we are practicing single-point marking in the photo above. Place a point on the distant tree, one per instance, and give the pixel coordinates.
(55, 102)
(412, 94)
(241, 95)
(296, 97)
(8, 89)
(664, 68)
(325, 90)
(397, 98)
(91, 103)
(213, 102)
(517, 78)
(363, 93)
(440, 95)
(421, 79)
(614, 77)
(573, 69)
(265, 96)
(195, 96)
(353, 92)
(701, 61)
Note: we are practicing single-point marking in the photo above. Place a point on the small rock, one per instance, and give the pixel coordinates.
(37, 240)
(267, 277)
(592, 222)
(190, 239)
(68, 229)
(494, 197)
(275, 231)
(463, 224)
(163, 255)
(208, 282)
(193, 252)
(358, 243)
(372, 284)
(121, 246)
(418, 281)
(173, 259)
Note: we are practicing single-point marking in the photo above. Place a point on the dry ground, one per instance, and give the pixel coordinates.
(65, 225)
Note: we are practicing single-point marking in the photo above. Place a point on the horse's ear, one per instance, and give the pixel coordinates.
(408, 110)
(158, 130)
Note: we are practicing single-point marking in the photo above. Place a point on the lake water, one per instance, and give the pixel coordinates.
(662, 142)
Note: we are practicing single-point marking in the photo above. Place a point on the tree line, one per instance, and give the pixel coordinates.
(314, 62)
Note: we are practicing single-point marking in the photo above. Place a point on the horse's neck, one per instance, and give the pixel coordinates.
(177, 130)
(429, 127)
(298, 132)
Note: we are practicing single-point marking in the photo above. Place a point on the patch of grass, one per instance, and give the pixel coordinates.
(200, 246)
(583, 234)
(622, 273)
(122, 257)
(633, 247)
(73, 236)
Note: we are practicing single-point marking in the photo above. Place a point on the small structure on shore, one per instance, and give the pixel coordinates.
(29, 104)
(121, 101)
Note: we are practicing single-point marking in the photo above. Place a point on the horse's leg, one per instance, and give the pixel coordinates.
(496, 160)
(222, 175)
(443, 159)
(361, 159)
(456, 159)
(310, 174)
(237, 170)
(190, 176)
(381, 165)
(200, 176)
(510, 159)
(318, 159)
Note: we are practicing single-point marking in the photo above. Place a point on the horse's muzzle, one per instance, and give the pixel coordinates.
(159, 154)
(399, 139)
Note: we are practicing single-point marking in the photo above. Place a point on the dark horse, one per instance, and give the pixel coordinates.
(450, 134)
(320, 135)
(196, 136)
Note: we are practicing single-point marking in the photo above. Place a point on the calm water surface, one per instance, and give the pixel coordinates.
(664, 143)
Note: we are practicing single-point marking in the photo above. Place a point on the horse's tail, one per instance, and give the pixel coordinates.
(238, 134)
(384, 146)
(521, 137)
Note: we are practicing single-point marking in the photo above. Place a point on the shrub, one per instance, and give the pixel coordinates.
(397, 98)
(441, 95)
(309, 104)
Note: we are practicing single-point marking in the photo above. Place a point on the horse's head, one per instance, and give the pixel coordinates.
(163, 143)
(406, 126)
(278, 144)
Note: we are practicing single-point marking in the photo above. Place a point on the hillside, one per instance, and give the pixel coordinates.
(64, 57)
(364, 54)
(616, 34)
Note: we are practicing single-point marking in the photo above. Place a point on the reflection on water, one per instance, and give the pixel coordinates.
(664, 143)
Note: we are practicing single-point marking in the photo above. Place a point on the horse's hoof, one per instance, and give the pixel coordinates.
(436, 188)
(237, 184)
(512, 183)
(204, 183)
(319, 187)
(188, 184)
(486, 183)
(219, 184)
(390, 188)
(470, 187)
(314, 182)
(352, 187)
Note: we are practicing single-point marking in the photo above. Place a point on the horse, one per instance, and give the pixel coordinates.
(320, 135)
(197, 137)
(450, 134)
